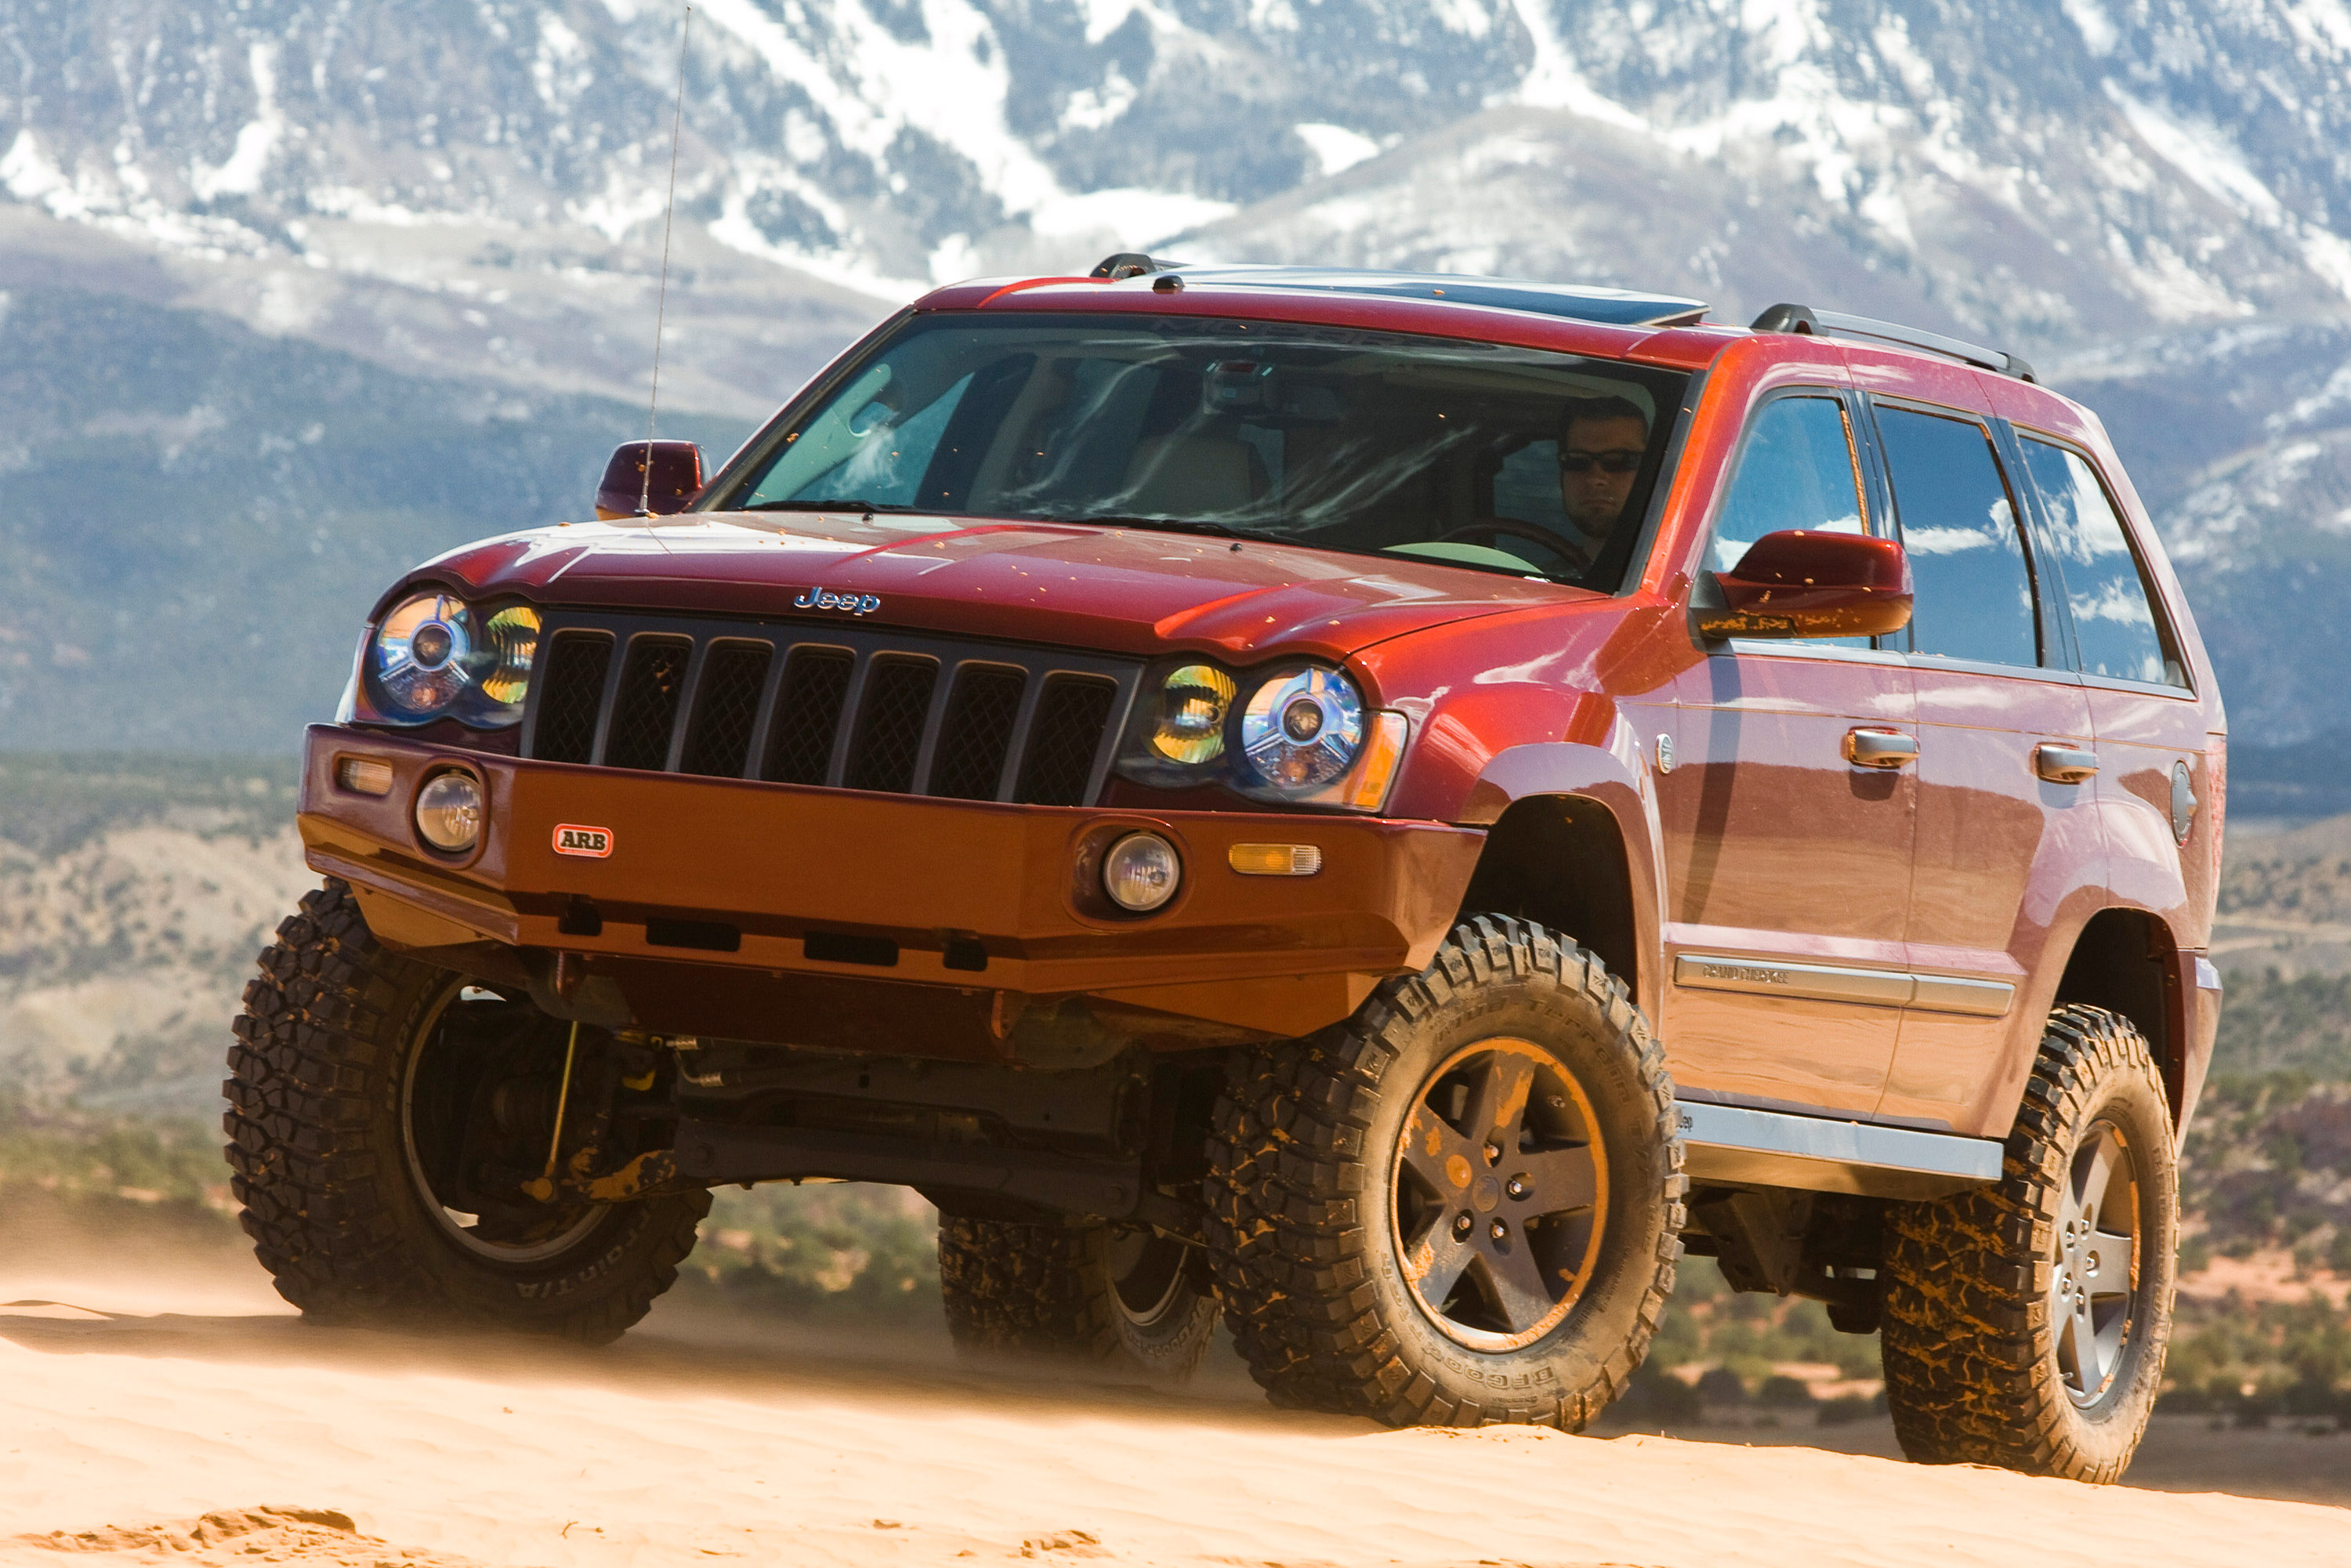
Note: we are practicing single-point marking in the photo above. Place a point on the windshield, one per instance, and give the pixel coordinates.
(1499, 459)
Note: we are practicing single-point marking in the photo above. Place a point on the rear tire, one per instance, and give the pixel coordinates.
(340, 1074)
(1463, 1204)
(2026, 1322)
(1089, 1292)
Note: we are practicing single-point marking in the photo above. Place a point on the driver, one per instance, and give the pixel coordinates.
(1601, 441)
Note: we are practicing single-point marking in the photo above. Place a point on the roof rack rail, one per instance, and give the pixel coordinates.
(1820, 323)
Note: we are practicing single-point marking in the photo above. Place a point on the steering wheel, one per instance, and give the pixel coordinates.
(1494, 528)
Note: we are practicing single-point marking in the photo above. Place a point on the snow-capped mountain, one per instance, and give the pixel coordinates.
(2151, 198)
(2059, 171)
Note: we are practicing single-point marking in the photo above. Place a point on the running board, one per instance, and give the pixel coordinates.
(1813, 1154)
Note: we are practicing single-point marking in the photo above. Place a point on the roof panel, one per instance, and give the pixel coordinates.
(1569, 301)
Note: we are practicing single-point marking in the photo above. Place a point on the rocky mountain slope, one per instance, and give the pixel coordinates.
(2151, 199)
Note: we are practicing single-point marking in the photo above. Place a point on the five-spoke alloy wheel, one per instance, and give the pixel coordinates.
(1501, 1193)
(2093, 1286)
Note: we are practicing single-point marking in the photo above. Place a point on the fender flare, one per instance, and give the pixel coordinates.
(1612, 776)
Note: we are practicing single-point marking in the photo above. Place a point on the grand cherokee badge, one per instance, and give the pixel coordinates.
(571, 838)
(826, 599)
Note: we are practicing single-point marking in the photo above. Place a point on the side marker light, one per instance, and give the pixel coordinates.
(363, 775)
(1275, 859)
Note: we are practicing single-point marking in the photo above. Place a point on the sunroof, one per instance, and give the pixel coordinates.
(1575, 302)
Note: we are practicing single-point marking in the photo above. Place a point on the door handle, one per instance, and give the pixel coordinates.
(1870, 748)
(2062, 764)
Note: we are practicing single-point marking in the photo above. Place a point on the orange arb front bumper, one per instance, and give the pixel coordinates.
(810, 916)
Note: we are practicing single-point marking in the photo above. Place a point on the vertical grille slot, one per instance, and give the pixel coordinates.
(726, 708)
(977, 733)
(653, 678)
(807, 712)
(889, 724)
(1063, 740)
(571, 694)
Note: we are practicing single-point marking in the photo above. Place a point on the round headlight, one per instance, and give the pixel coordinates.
(449, 812)
(423, 657)
(1189, 726)
(1141, 872)
(1300, 731)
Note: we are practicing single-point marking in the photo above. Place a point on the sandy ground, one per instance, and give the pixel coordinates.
(134, 1407)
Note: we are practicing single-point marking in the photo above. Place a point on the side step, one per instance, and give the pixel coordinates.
(1815, 1153)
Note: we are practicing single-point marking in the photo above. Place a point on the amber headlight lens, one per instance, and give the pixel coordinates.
(513, 637)
(1301, 730)
(420, 662)
(1190, 724)
(449, 812)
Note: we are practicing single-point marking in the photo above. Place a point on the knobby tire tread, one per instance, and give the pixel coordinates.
(1969, 1373)
(1289, 1140)
(323, 1025)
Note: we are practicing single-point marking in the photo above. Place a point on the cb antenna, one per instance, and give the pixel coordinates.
(661, 304)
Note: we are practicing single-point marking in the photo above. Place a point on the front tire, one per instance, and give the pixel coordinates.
(358, 1088)
(2026, 1322)
(1092, 1293)
(1462, 1206)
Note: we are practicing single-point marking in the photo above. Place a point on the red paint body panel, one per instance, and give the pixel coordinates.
(1761, 844)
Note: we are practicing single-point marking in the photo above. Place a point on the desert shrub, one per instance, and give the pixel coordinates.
(837, 1248)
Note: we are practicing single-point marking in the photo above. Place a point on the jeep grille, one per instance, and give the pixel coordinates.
(852, 707)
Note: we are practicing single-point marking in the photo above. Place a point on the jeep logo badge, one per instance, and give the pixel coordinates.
(826, 599)
(571, 838)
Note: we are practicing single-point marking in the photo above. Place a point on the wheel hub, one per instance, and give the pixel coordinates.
(476, 1097)
(1500, 1194)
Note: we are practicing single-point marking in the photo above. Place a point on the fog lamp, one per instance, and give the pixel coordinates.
(1141, 873)
(449, 812)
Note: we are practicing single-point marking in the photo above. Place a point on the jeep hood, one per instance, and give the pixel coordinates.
(1132, 591)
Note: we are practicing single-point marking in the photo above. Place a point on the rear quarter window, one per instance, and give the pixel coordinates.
(2116, 623)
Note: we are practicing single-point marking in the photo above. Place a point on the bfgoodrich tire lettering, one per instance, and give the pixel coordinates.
(320, 1143)
(1994, 1305)
(1308, 1228)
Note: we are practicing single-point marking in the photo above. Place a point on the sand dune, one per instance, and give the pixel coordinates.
(162, 1422)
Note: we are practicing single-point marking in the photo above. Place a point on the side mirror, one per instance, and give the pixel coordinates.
(1804, 583)
(676, 468)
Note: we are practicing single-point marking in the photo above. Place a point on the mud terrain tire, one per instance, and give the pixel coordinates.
(321, 1152)
(1324, 1226)
(1087, 1293)
(2003, 1345)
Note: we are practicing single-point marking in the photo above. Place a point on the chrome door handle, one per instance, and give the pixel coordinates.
(2062, 764)
(1870, 748)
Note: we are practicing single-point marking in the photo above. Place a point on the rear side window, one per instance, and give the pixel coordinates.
(1967, 554)
(2113, 611)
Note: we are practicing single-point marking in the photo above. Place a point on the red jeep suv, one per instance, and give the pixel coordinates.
(1388, 807)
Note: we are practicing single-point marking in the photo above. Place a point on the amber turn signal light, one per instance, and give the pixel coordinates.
(363, 775)
(1275, 859)
(1382, 749)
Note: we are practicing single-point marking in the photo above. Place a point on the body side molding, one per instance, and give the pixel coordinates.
(1838, 983)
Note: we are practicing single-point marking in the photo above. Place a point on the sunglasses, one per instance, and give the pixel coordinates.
(1620, 461)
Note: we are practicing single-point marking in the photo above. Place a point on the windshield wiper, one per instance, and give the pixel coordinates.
(1177, 525)
(829, 504)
